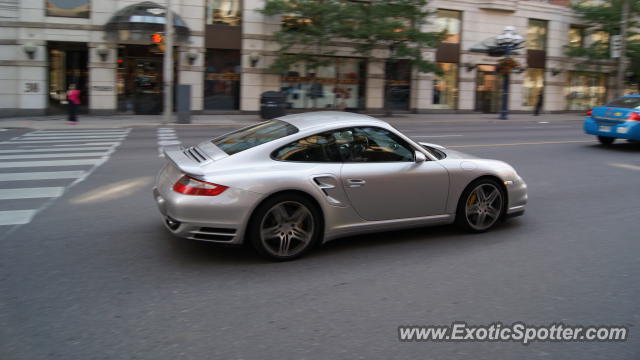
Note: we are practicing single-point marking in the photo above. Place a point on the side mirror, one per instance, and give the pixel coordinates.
(420, 157)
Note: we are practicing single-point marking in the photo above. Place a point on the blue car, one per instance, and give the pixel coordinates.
(619, 119)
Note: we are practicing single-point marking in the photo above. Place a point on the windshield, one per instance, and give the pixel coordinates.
(625, 102)
(259, 134)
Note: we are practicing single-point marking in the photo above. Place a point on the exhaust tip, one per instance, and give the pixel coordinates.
(172, 224)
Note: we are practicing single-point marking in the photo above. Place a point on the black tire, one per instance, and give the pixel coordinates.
(605, 140)
(469, 220)
(288, 233)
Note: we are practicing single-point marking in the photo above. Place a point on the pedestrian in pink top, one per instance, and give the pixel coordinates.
(73, 98)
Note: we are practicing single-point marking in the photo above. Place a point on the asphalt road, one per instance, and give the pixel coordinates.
(94, 275)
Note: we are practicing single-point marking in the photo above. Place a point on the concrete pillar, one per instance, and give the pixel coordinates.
(421, 91)
(375, 85)
(466, 88)
(103, 90)
(554, 91)
(191, 72)
(23, 79)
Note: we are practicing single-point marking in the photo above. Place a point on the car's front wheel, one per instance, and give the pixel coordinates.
(481, 205)
(605, 140)
(285, 227)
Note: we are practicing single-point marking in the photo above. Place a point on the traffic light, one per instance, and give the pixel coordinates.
(157, 43)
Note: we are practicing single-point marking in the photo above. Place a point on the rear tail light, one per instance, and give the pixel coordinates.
(634, 116)
(589, 112)
(190, 186)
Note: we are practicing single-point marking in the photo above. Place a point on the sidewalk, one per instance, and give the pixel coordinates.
(127, 121)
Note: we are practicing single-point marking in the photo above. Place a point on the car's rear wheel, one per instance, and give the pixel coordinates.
(605, 140)
(481, 206)
(285, 227)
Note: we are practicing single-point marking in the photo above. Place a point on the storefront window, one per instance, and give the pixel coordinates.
(224, 12)
(222, 80)
(537, 34)
(69, 8)
(339, 85)
(445, 87)
(600, 39)
(139, 80)
(532, 87)
(449, 21)
(576, 37)
(398, 85)
(585, 90)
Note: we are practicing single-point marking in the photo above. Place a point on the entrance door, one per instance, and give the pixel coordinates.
(68, 64)
(140, 84)
(397, 90)
(487, 89)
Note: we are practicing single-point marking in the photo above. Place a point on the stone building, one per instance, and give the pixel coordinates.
(224, 46)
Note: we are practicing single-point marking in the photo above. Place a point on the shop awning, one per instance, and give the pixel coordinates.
(144, 18)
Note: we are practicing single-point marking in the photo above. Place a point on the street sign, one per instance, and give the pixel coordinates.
(616, 46)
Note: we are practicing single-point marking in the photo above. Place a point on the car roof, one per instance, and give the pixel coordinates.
(309, 120)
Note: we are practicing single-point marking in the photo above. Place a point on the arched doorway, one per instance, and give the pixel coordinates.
(140, 61)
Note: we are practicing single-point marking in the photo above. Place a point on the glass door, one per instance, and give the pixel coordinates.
(487, 89)
(68, 64)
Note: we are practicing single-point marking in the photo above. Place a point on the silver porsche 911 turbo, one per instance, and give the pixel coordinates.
(290, 183)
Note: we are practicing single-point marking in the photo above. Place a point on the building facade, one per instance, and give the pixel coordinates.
(224, 47)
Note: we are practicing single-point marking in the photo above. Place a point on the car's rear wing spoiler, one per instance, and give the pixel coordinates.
(178, 156)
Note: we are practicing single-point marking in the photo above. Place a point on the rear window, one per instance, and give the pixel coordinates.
(625, 102)
(253, 136)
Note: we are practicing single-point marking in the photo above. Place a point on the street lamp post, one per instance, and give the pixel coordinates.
(507, 42)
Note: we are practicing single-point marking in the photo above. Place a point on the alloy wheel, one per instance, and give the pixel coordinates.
(287, 229)
(483, 206)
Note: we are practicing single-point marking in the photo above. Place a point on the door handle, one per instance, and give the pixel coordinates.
(354, 183)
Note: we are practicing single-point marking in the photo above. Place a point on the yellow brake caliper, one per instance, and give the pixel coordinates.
(472, 199)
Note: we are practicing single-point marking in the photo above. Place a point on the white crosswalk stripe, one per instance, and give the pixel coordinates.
(49, 150)
(166, 137)
(16, 217)
(30, 193)
(44, 156)
(29, 163)
(41, 175)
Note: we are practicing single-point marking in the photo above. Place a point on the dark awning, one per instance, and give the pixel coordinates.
(145, 17)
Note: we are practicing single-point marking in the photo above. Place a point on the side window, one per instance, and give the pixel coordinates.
(368, 144)
(316, 148)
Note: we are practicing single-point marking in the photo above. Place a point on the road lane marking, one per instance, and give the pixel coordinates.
(522, 143)
(71, 137)
(42, 175)
(17, 142)
(16, 164)
(87, 148)
(16, 217)
(73, 133)
(166, 137)
(48, 150)
(31, 193)
(112, 144)
(626, 166)
(435, 136)
(45, 156)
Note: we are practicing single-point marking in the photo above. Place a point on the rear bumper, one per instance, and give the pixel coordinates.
(220, 220)
(610, 128)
